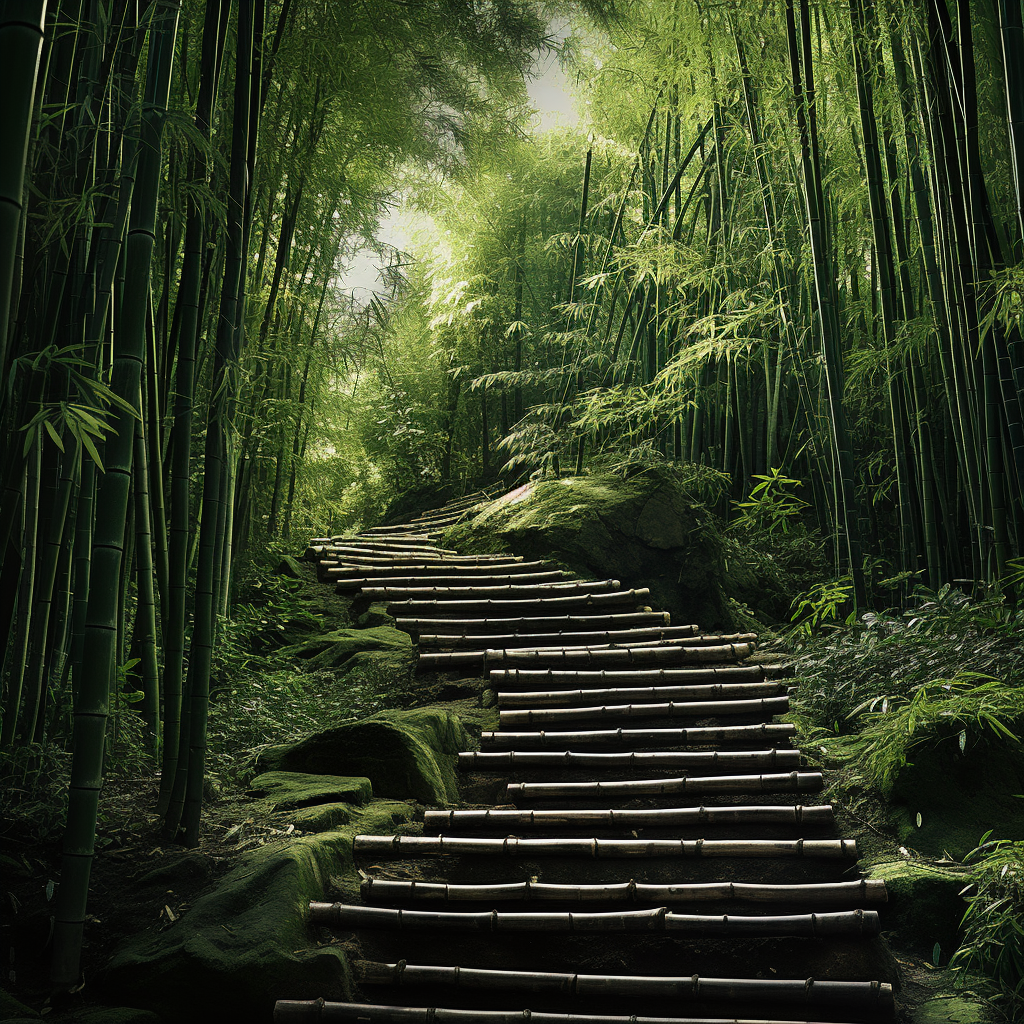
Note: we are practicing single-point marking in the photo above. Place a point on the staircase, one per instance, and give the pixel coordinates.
(642, 841)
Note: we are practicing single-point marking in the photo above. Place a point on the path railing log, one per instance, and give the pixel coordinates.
(648, 802)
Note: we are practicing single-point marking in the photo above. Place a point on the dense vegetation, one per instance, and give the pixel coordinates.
(783, 246)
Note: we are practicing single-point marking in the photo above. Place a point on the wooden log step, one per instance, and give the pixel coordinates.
(536, 678)
(343, 551)
(525, 624)
(358, 582)
(637, 694)
(777, 782)
(598, 849)
(690, 988)
(409, 536)
(705, 736)
(868, 890)
(458, 573)
(554, 588)
(426, 558)
(312, 1011)
(620, 657)
(438, 822)
(706, 760)
(846, 923)
(608, 636)
(440, 608)
(766, 707)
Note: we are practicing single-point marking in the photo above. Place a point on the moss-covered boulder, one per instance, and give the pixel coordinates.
(646, 531)
(406, 754)
(925, 906)
(952, 1009)
(388, 647)
(959, 796)
(283, 791)
(245, 940)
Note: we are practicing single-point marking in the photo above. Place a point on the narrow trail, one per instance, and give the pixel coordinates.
(640, 840)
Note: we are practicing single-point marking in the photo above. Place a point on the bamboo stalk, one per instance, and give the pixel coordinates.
(298, 1011)
(485, 606)
(657, 919)
(527, 623)
(789, 782)
(438, 822)
(511, 590)
(753, 734)
(686, 988)
(868, 890)
(608, 636)
(474, 760)
(504, 677)
(763, 706)
(484, 578)
(422, 846)
(655, 694)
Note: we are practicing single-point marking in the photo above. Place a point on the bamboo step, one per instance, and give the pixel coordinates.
(658, 919)
(440, 608)
(448, 822)
(699, 736)
(620, 657)
(377, 890)
(777, 782)
(311, 1011)
(420, 558)
(765, 707)
(351, 583)
(524, 624)
(512, 846)
(502, 678)
(513, 570)
(706, 760)
(637, 694)
(520, 591)
(360, 550)
(861, 995)
(608, 636)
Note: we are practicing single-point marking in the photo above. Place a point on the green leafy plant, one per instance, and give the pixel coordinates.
(963, 708)
(993, 923)
(822, 605)
(771, 505)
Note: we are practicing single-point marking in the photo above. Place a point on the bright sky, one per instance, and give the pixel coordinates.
(549, 91)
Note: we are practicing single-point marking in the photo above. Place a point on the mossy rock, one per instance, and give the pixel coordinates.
(336, 648)
(405, 754)
(925, 905)
(12, 1008)
(952, 1010)
(243, 942)
(321, 817)
(647, 531)
(284, 791)
(289, 567)
(959, 796)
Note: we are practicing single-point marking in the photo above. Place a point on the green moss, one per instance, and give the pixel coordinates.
(925, 905)
(245, 940)
(287, 790)
(646, 532)
(952, 1010)
(406, 754)
(320, 817)
(334, 649)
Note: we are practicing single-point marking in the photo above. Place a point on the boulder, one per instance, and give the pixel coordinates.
(952, 1009)
(284, 791)
(925, 905)
(245, 940)
(393, 649)
(407, 754)
(646, 531)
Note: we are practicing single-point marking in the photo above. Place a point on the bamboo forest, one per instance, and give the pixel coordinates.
(479, 472)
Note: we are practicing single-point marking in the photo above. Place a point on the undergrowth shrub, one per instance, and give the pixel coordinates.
(993, 925)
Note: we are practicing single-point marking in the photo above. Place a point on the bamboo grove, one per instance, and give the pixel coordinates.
(181, 185)
(790, 250)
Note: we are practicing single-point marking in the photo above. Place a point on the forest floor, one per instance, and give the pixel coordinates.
(142, 883)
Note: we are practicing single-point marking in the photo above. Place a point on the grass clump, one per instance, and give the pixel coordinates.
(993, 924)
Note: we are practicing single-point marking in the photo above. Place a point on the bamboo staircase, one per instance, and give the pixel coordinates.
(656, 853)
